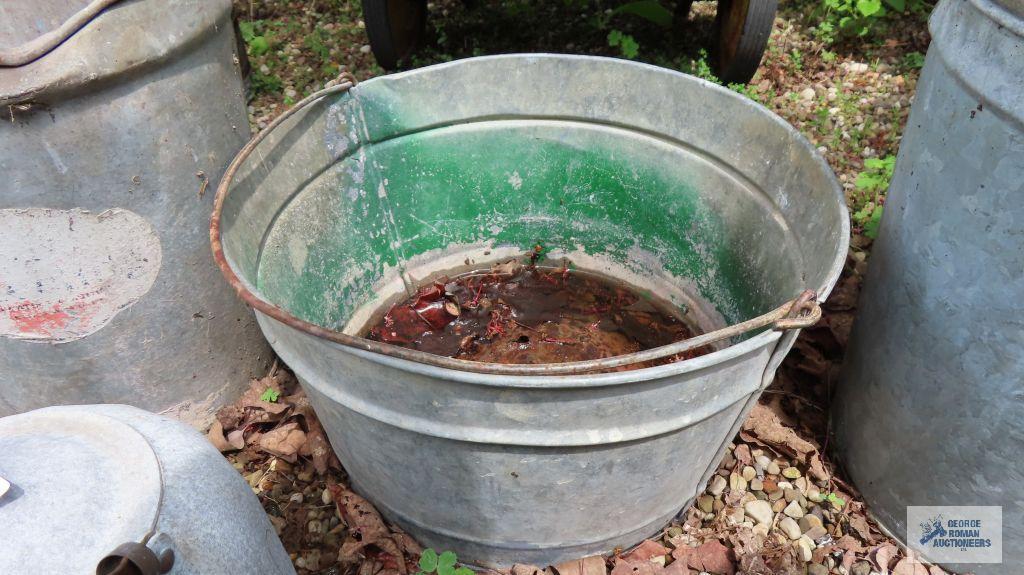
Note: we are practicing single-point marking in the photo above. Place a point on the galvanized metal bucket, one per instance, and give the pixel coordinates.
(113, 135)
(661, 179)
(86, 488)
(928, 411)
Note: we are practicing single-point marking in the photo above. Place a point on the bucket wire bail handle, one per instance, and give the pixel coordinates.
(798, 313)
(804, 312)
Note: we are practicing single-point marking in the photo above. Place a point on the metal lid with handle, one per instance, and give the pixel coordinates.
(85, 496)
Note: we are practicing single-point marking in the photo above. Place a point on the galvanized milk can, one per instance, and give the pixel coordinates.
(86, 488)
(666, 181)
(929, 411)
(118, 119)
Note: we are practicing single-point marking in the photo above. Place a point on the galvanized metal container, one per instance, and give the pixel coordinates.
(929, 408)
(85, 487)
(118, 119)
(658, 178)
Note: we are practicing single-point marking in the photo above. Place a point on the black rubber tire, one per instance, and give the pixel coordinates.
(394, 27)
(742, 28)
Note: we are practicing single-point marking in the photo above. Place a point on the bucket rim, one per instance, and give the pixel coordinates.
(550, 382)
(802, 311)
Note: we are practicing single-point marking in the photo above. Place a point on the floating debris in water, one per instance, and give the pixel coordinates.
(527, 314)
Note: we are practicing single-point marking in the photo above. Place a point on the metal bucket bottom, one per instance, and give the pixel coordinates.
(626, 169)
(492, 483)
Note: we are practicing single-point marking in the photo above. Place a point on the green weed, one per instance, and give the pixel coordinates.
(443, 564)
(870, 184)
(627, 45)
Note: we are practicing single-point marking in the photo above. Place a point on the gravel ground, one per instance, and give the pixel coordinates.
(776, 504)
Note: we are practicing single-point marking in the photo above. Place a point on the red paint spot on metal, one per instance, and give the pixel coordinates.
(33, 319)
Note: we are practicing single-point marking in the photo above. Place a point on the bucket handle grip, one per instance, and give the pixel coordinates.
(798, 313)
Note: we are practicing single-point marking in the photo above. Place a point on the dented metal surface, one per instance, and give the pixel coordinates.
(107, 290)
(622, 168)
(929, 408)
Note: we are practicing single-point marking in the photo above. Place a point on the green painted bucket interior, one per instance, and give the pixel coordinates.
(643, 204)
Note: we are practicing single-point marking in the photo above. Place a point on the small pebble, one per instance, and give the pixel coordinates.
(817, 569)
(808, 522)
(773, 468)
(717, 485)
(756, 484)
(749, 473)
(736, 482)
(365, 48)
(791, 472)
(734, 516)
(759, 511)
(790, 528)
(804, 550)
(326, 497)
(816, 533)
(779, 505)
(705, 502)
(794, 510)
(296, 498)
(763, 462)
(862, 568)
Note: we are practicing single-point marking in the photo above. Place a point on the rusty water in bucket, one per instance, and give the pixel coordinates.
(521, 312)
(677, 187)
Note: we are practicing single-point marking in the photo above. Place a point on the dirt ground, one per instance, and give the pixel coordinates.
(778, 503)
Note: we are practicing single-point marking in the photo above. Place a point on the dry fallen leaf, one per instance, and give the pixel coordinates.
(859, 523)
(593, 565)
(882, 556)
(367, 529)
(216, 437)
(645, 551)
(742, 454)
(236, 438)
(848, 543)
(317, 448)
(713, 557)
(284, 441)
(635, 568)
(251, 399)
(908, 566)
(763, 427)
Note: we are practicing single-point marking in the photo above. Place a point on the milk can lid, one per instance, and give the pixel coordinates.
(50, 48)
(29, 30)
(80, 484)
